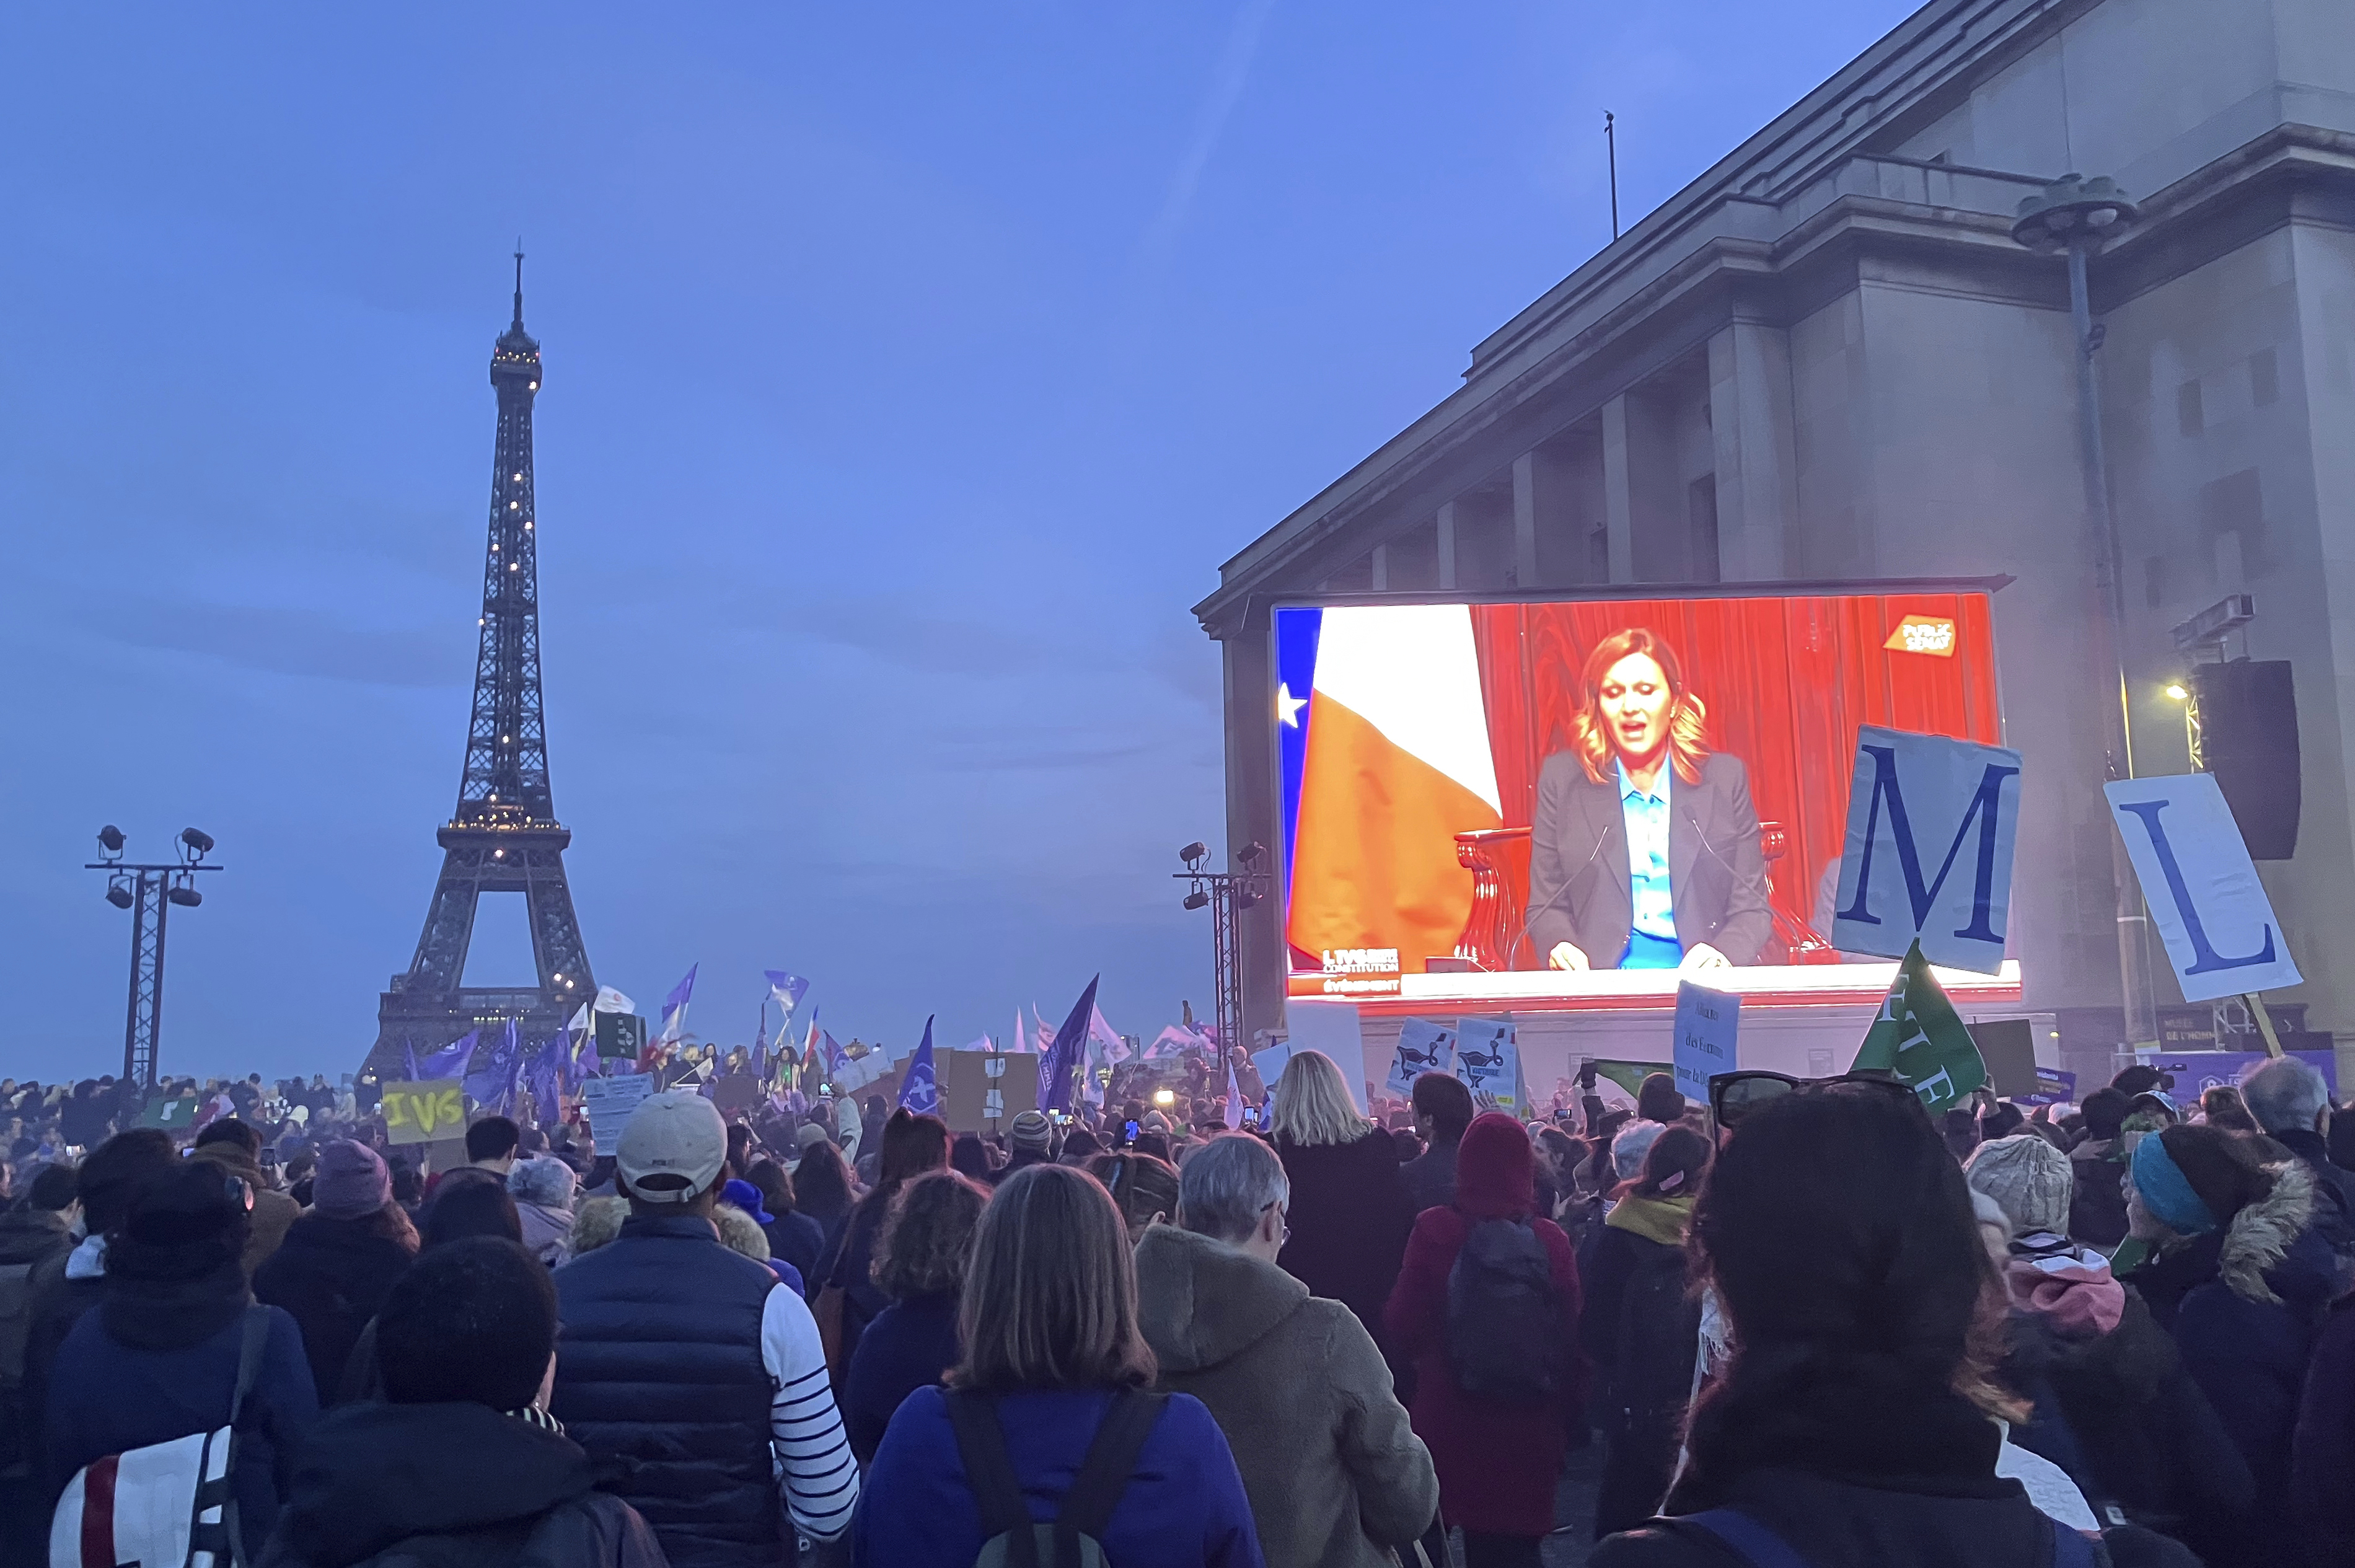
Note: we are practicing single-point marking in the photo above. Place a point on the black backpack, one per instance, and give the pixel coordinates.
(1012, 1539)
(1506, 1336)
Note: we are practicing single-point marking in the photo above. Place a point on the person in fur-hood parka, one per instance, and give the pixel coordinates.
(2241, 1278)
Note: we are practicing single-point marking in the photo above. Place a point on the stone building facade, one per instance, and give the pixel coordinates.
(1826, 359)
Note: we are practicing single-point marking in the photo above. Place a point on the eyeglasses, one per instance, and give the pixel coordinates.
(1734, 1096)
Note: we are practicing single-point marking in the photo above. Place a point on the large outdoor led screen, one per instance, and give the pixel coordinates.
(1677, 769)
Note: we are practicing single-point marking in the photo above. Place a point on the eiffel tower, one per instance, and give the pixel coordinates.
(503, 837)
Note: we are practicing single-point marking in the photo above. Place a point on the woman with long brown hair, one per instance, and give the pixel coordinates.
(1854, 1422)
(1051, 1386)
(1644, 853)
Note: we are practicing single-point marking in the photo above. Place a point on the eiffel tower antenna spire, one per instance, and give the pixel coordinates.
(504, 836)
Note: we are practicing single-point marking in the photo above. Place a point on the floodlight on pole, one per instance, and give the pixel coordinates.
(149, 890)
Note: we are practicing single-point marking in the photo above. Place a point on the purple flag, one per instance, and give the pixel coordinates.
(450, 1061)
(920, 1089)
(1067, 1053)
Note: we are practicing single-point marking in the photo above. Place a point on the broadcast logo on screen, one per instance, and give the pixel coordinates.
(1933, 635)
(1355, 972)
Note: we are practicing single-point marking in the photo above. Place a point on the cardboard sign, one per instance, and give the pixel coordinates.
(422, 1113)
(1708, 1023)
(2202, 888)
(1423, 1047)
(610, 1101)
(982, 1091)
(2008, 1046)
(1928, 856)
(1488, 1060)
(622, 1035)
(1332, 1028)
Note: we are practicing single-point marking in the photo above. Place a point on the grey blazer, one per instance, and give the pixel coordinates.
(1578, 864)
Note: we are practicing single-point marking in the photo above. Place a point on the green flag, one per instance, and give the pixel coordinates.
(1919, 1038)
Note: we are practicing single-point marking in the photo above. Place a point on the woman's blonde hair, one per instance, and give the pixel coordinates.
(1050, 1295)
(1313, 1104)
(1589, 732)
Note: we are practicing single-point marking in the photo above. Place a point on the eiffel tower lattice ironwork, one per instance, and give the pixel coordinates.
(503, 837)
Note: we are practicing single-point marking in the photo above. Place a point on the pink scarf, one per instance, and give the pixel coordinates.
(2075, 1294)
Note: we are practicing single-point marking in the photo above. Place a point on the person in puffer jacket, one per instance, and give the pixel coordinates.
(2241, 1279)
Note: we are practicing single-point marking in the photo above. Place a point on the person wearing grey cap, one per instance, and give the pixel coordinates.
(1031, 1136)
(686, 1369)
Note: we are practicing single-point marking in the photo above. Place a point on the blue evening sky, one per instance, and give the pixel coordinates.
(909, 370)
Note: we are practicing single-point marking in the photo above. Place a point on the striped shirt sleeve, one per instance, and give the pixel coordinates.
(815, 1474)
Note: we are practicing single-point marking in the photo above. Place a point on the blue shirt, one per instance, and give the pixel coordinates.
(1654, 906)
(1183, 1508)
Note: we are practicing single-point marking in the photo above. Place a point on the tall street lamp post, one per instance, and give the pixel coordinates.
(2078, 215)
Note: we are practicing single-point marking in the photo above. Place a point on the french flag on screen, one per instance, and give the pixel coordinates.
(1394, 761)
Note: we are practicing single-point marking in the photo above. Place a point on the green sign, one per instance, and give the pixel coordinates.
(620, 1035)
(172, 1116)
(1919, 1038)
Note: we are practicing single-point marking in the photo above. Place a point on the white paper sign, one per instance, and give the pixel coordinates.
(1928, 857)
(1707, 1024)
(2201, 886)
(1488, 1060)
(1423, 1047)
(610, 1101)
(1315, 1024)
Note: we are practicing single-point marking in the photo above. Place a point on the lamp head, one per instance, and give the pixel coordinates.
(2070, 208)
(110, 838)
(118, 893)
(1197, 899)
(197, 840)
(1193, 852)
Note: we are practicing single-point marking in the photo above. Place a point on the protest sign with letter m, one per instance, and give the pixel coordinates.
(1928, 857)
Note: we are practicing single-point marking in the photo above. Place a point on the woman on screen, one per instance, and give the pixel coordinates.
(1645, 852)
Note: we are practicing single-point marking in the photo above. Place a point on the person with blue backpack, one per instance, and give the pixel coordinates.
(1488, 1304)
(1045, 1449)
(1856, 1423)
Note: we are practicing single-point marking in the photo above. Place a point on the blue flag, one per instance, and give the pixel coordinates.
(787, 990)
(920, 1091)
(450, 1061)
(544, 1078)
(492, 1085)
(1067, 1053)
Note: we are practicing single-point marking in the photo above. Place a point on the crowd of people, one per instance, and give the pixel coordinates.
(1805, 1323)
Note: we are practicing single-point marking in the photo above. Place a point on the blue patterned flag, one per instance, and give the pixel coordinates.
(920, 1090)
(1066, 1052)
(786, 990)
(673, 1013)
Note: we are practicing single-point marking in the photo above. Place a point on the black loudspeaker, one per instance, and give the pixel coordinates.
(2248, 737)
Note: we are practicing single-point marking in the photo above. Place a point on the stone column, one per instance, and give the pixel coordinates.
(1618, 497)
(1757, 468)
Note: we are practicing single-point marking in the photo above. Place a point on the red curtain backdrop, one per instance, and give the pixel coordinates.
(1787, 682)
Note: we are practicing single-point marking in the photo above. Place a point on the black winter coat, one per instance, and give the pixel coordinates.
(1430, 1177)
(1350, 1216)
(2128, 1423)
(2323, 1453)
(452, 1486)
(1642, 1330)
(659, 1376)
(332, 1277)
(2244, 1304)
